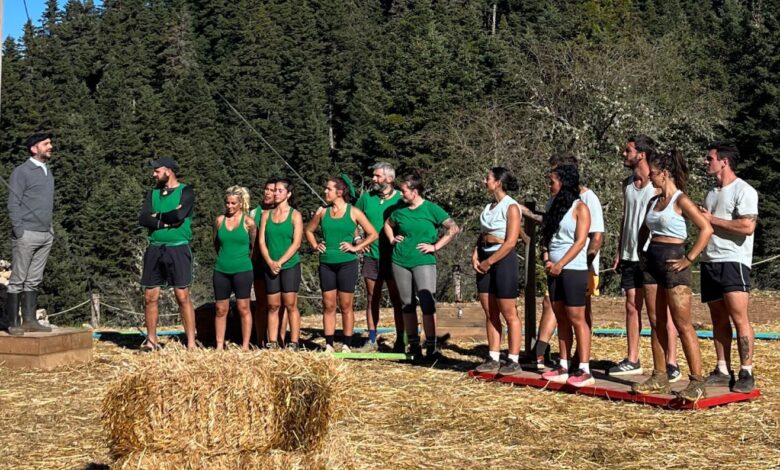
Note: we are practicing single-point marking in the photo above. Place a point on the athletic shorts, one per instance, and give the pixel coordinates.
(340, 276)
(657, 268)
(569, 287)
(238, 283)
(502, 277)
(720, 278)
(167, 266)
(288, 280)
(630, 275)
(377, 269)
(593, 285)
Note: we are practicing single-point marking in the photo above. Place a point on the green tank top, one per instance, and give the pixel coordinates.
(233, 255)
(279, 237)
(336, 231)
(173, 236)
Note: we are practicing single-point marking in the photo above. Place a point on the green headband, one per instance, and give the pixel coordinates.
(348, 182)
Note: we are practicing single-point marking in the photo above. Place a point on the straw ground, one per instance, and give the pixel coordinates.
(411, 416)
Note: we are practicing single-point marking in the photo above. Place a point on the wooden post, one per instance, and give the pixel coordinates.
(530, 279)
(95, 307)
(458, 292)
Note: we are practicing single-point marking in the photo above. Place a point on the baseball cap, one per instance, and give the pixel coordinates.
(167, 162)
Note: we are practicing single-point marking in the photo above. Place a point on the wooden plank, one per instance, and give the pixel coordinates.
(46, 361)
(40, 343)
(621, 391)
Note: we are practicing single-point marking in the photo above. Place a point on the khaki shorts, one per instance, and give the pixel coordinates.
(593, 285)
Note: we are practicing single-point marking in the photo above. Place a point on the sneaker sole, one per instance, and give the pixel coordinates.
(584, 383)
(674, 379)
(660, 391)
(639, 371)
(558, 380)
(487, 371)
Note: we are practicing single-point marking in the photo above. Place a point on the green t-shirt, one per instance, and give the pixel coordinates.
(378, 210)
(417, 226)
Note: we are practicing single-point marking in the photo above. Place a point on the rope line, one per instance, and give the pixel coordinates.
(69, 309)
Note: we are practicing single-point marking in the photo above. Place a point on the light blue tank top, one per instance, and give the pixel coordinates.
(564, 239)
(493, 221)
(666, 223)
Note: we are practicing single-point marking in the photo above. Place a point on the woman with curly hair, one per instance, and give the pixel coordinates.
(234, 235)
(565, 234)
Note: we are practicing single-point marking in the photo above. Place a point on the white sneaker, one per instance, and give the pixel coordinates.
(345, 349)
(329, 348)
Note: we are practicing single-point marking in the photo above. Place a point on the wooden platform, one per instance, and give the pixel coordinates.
(63, 346)
(470, 325)
(619, 389)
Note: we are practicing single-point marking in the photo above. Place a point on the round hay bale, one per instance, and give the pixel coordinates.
(208, 404)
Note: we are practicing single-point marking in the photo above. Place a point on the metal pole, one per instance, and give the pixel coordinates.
(530, 279)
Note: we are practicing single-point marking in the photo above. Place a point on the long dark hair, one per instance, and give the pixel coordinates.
(674, 162)
(570, 192)
(288, 184)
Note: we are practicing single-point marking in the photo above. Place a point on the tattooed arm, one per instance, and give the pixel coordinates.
(744, 225)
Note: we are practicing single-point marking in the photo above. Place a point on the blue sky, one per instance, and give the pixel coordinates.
(14, 16)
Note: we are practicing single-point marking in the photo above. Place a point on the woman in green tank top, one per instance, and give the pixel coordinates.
(234, 235)
(281, 232)
(338, 255)
(258, 265)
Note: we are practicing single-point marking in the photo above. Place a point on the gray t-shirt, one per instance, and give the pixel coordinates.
(730, 202)
(596, 222)
(635, 201)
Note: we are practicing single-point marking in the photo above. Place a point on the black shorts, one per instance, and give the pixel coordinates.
(569, 287)
(502, 277)
(225, 284)
(288, 280)
(167, 266)
(630, 275)
(377, 269)
(657, 268)
(339, 276)
(720, 278)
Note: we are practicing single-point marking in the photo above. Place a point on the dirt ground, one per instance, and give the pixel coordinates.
(436, 417)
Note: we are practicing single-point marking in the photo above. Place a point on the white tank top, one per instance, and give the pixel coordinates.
(493, 221)
(564, 239)
(636, 201)
(666, 223)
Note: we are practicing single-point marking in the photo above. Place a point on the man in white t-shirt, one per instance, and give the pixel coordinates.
(731, 206)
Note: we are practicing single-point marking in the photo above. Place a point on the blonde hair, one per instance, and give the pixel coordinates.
(242, 194)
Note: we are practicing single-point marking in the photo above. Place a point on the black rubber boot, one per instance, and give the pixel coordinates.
(12, 314)
(29, 322)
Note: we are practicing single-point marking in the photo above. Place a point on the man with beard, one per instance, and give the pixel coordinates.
(731, 206)
(30, 209)
(167, 214)
(378, 203)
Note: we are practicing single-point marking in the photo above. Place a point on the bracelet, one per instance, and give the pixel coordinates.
(689, 260)
(356, 240)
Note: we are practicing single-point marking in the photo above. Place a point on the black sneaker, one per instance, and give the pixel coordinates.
(626, 367)
(415, 351)
(433, 353)
(399, 346)
(673, 373)
(272, 345)
(718, 379)
(510, 368)
(490, 366)
(745, 382)
(292, 347)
